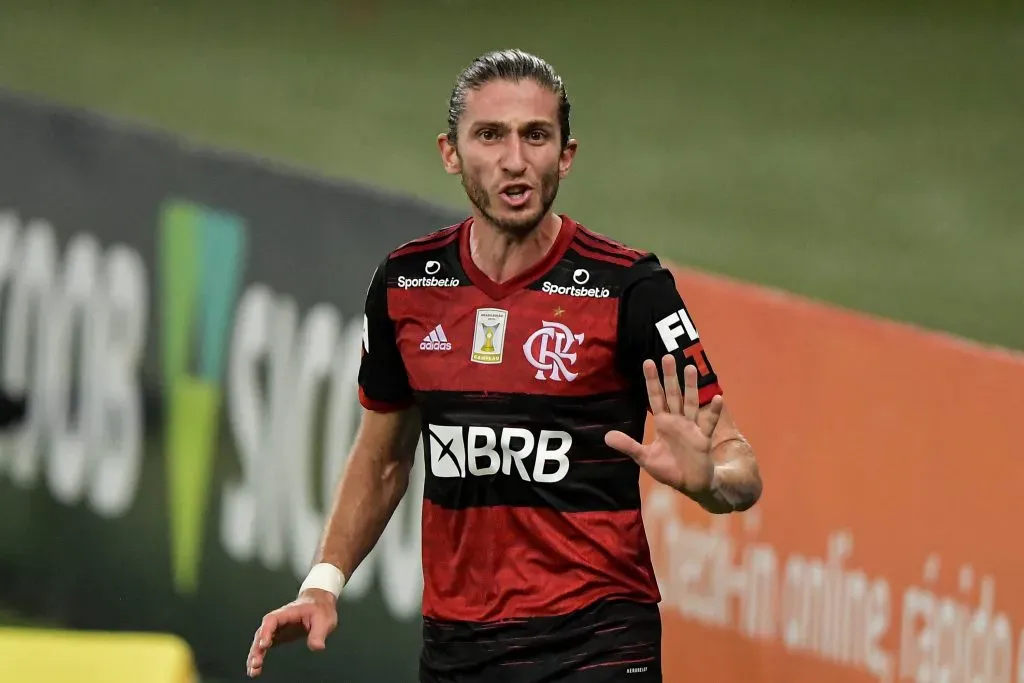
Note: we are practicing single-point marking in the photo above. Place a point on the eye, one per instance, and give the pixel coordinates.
(537, 135)
(487, 135)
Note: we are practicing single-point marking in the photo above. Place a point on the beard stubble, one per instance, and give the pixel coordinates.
(517, 227)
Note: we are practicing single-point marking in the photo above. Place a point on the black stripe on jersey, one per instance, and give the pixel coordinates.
(435, 239)
(600, 275)
(598, 254)
(529, 451)
(589, 416)
(589, 486)
(591, 237)
(435, 236)
(610, 641)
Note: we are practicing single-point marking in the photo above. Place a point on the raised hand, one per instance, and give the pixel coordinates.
(680, 453)
(313, 615)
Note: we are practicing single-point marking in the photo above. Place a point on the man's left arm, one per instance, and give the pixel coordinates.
(654, 321)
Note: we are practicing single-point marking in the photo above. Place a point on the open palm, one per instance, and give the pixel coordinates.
(679, 455)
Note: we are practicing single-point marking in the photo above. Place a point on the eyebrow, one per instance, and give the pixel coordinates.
(532, 123)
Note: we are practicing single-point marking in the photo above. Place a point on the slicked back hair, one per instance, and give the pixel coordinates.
(509, 65)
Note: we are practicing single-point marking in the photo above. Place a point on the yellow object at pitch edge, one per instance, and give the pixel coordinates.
(30, 655)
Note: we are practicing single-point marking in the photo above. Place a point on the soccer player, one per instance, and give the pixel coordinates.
(526, 351)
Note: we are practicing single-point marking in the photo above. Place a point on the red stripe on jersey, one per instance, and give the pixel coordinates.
(600, 241)
(380, 406)
(454, 309)
(583, 250)
(490, 563)
(442, 239)
(705, 394)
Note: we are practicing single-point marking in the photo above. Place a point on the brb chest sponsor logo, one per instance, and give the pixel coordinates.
(429, 280)
(580, 277)
(461, 452)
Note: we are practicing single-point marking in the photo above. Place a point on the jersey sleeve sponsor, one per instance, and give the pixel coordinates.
(383, 380)
(654, 321)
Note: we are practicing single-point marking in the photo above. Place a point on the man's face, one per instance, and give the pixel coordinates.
(509, 153)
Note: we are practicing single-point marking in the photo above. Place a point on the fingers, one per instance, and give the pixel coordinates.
(260, 644)
(655, 394)
(671, 397)
(691, 398)
(673, 393)
(315, 621)
(625, 444)
(710, 415)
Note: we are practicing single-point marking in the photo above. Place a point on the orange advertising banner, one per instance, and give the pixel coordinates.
(887, 545)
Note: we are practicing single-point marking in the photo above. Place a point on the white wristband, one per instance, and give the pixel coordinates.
(324, 576)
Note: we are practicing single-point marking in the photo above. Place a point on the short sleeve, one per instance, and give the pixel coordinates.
(654, 321)
(383, 381)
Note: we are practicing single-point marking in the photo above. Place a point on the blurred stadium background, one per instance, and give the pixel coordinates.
(867, 155)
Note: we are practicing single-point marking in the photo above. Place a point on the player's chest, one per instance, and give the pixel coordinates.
(528, 342)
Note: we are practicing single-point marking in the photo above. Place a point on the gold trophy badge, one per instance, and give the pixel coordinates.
(488, 345)
(488, 341)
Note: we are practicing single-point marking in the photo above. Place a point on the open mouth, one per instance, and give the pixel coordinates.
(516, 195)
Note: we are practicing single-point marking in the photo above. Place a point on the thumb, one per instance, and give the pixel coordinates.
(624, 443)
(319, 628)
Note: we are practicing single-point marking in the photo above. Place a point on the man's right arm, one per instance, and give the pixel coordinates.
(376, 477)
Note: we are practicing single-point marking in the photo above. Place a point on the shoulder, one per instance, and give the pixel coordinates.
(598, 266)
(431, 255)
(627, 265)
(438, 239)
(601, 249)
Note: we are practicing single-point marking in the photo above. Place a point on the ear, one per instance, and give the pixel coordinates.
(567, 157)
(449, 155)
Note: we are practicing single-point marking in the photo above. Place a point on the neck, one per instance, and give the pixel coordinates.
(501, 256)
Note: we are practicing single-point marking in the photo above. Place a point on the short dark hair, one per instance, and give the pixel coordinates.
(510, 65)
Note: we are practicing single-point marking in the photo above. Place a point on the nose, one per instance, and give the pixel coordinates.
(513, 161)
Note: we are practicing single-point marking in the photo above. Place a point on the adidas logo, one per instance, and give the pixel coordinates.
(436, 341)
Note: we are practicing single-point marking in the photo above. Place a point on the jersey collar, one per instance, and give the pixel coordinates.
(500, 290)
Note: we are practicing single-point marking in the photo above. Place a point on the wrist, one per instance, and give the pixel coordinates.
(713, 498)
(708, 486)
(326, 577)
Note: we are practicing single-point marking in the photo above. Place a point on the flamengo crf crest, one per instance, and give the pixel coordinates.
(551, 350)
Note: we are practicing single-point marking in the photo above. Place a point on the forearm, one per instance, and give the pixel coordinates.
(369, 492)
(737, 481)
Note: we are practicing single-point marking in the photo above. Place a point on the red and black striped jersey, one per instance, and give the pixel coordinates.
(527, 514)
